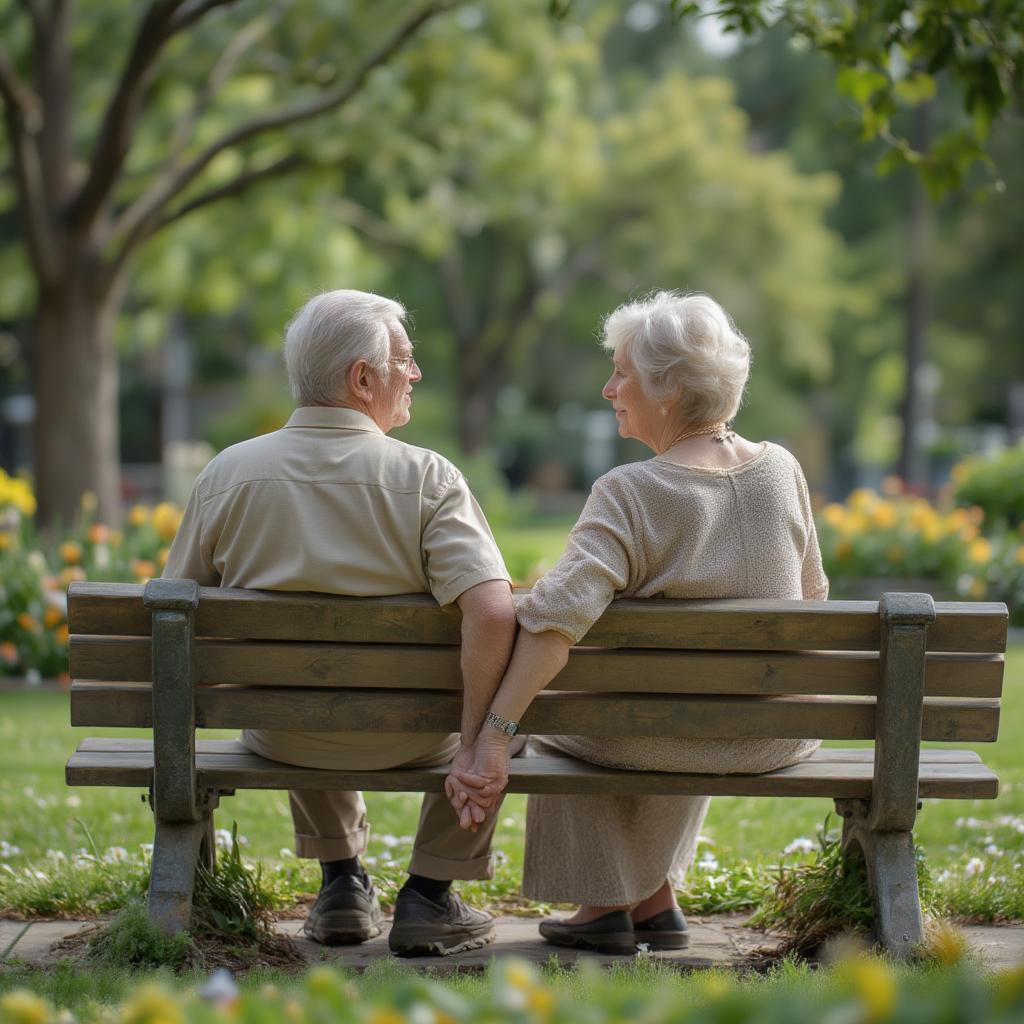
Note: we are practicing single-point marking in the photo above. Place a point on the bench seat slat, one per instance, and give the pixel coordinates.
(234, 769)
(116, 609)
(257, 663)
(129, 705)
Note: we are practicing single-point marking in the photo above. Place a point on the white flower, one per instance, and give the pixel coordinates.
(800, 845)
(8, 849)
(973, 866)
(390, 841)
(115, 854)
(508, 822)
(705, 841)
(943, 876)
(39, 876)
(500, 857)
(72, 801)
(58, 855)
(993, 851)
(285, 854)
(707, 862)
(222, 837)
(147, 849)
(101, 556)
(33, 677)
(36, 561)
(220, 989)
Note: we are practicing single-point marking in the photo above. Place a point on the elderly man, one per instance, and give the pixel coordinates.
(330, 503)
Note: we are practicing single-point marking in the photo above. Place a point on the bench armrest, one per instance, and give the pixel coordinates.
(174, 603)
(894, 795)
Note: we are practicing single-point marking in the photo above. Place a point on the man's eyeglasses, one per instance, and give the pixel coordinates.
(404, 363)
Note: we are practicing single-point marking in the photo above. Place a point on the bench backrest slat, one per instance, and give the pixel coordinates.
(116, 609)
(130, 705)
(262, 663)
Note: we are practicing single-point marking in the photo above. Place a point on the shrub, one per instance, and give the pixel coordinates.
(994, 483)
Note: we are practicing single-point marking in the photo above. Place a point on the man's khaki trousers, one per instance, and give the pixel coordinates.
(332, 825)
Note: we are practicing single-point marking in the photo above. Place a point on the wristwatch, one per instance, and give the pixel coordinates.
(501, 724)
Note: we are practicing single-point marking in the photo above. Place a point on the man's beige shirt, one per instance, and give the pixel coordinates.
(329, 503)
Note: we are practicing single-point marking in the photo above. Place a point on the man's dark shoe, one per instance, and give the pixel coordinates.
(609, 933)
(425, 928)
(666, 930)
(346, 912)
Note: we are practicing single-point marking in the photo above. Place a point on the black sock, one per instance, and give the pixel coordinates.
(335, 869)
(434, 889)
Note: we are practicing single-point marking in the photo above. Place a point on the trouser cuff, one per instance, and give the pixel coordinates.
(328, 848)
(447, 869)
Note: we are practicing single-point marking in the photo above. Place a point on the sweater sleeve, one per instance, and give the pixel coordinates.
(813, 581)
(602, 558)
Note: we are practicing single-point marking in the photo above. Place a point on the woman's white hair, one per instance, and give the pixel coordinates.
(331, 332)
(687, 352)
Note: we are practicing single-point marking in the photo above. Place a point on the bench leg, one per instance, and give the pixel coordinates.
(177, 848)
(892, 879)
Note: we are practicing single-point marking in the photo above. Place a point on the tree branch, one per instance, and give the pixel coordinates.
(375, 228)
(18, 97)
(115, 134)
(189, 15)
(137, 220)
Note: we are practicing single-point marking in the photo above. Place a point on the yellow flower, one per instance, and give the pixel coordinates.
(143, 569)
(116, 537)
(162, 557)
(519, 974)
(89, 502)
(862, 499)
(883, 515)
(843, 550)
(385, 1015)
(874, 983)
(99, 533)
(166, 519)
(152, 1004)
(977, 589)
(980, 550)
(6, 540)
(71, 552)
(833, 514)
(28, 622)
(21, 1007)
(70, 575)
(541, 1000)
(62, 635)
(19, 494)
(52, 617)
(139, 515)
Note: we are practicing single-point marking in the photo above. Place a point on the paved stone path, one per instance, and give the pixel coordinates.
(715, 942)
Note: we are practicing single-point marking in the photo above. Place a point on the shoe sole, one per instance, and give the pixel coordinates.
(423, 940)
(340, 929)
(663, 942)
(613, 943)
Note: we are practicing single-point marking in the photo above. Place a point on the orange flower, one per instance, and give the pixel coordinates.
(70, 575)
(52, 617)
(71, 552)
(62, 635)
(9, 653)
(99, 533)
(143, 569)
(28, 622)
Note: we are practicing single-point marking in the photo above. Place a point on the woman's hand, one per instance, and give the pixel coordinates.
(478, 777)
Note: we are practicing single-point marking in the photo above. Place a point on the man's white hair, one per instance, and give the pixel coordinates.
(686, 351)
(331, 332)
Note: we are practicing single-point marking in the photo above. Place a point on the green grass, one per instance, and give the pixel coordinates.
(72, 851)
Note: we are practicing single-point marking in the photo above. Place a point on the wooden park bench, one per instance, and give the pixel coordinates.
(174, 657)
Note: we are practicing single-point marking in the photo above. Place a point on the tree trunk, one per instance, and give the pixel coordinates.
(76, 444)
(474, 400)
(916, 312)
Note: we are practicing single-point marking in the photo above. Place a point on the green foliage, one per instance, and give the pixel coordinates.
(232, 900)
(994, 483)
(132, 940)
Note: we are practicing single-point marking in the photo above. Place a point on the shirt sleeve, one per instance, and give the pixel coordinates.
(602, 558)
(189, 558)
(459, 550)
(813, 581)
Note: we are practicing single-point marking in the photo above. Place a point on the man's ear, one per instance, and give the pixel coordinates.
(360, 380)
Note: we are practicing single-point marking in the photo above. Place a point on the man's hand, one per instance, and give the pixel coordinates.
(478, 777)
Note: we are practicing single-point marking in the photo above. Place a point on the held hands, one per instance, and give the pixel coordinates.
(478, 777)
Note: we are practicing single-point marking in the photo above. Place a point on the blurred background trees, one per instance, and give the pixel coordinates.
(177, 179)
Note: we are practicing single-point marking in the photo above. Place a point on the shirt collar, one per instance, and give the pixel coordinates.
(331, 417)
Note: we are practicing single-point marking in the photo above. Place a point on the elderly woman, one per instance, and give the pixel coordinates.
(711, 515)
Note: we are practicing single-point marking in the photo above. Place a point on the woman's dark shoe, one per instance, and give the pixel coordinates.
(666, 930)
(609, 933)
